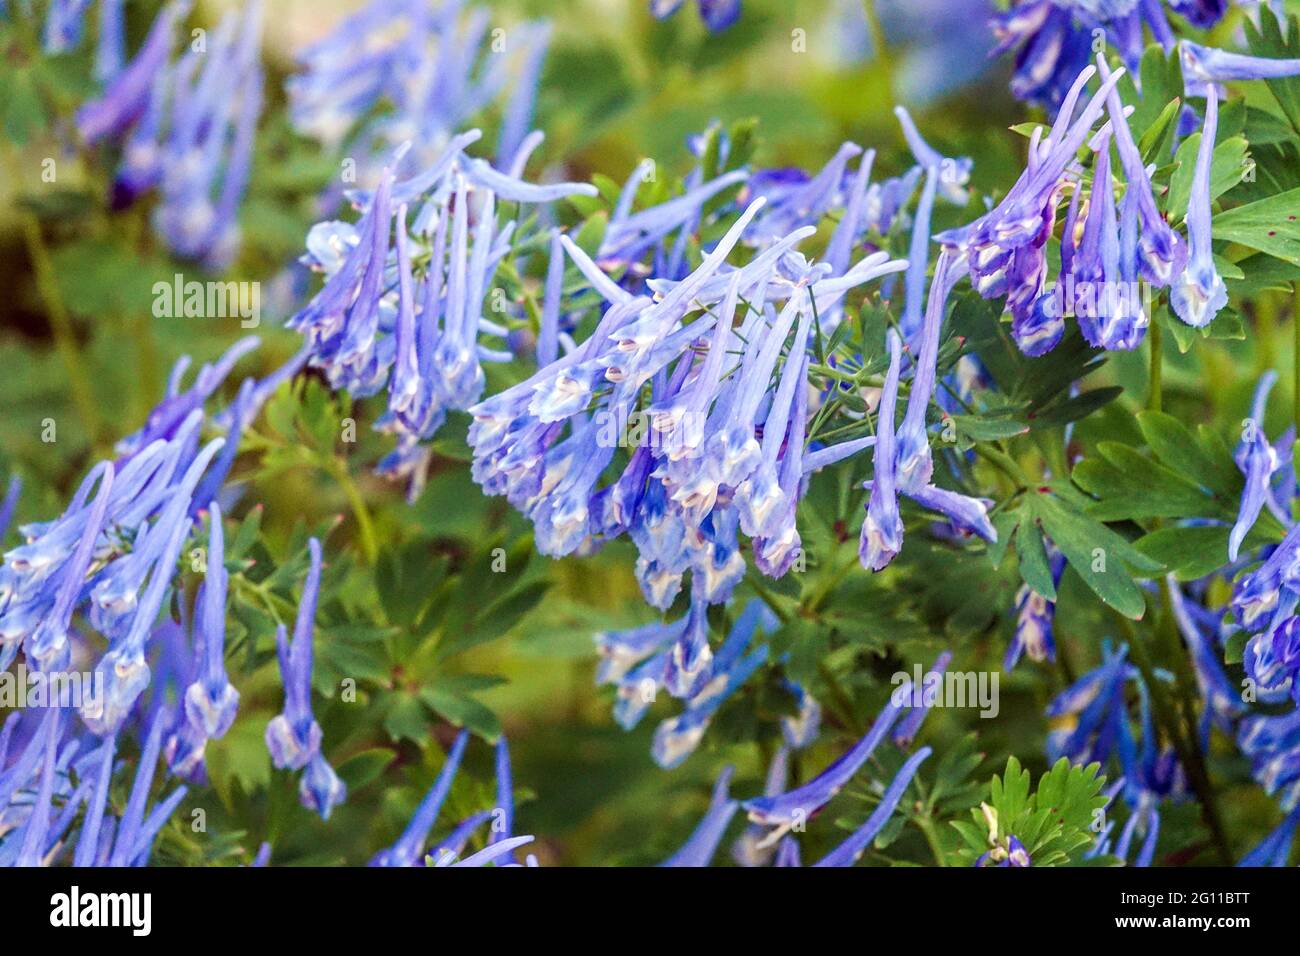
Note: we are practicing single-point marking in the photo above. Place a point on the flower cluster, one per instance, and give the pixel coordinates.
(107, 566)
(1094, 712)
(1106, 253)
(1054, 39)
(436, 67)
(186, 127)
(378, 323)
(57, 770)
(642, 661)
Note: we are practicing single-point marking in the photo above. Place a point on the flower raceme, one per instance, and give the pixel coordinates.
(435, 65)
(186, 127)
(1054, 39)
(377, 324)
(706, 470)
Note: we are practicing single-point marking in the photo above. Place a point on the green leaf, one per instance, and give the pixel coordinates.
(1098, 555)
(463, 711)
(1270, 225)
(1035, 569)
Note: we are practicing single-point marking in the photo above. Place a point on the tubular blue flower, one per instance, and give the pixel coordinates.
(1199, 293)
(801, 729)
(1258, 461)
(783, 811)
(1162, 251)
(903, 463)
(717, 15)
(489, 854)
(123, 667)
(135, 832)
(320, 788)
(211, 701)
(1205, 66)
(1035, 616)
(848, 852)
(1267, 596)
(1272, 743)
(909, 726)
(1222, 700)
(375, 323)
(882, 531)
(407, 851)
(31, 852)
(293, 737)
(63, 25)
(700, 473)
(503, 825)
(1050, 49)
(804, 203)
(48, 648)
(1275, 848)
(215, 101)
(1013, 854)
(127, 96)
(677, 737)
(1202, 14)
(1270, 659)
(9, 504)
(434, 65)
(110, 55)
(518, 119)
(703, 842)
(750, 849)
(1097, 711)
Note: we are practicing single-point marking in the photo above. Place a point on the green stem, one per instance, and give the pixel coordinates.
(65, 339)
(1004, 463)
(338, 469)
(881, 43)
(1155, 398)
(925, 823)
(1295, 360)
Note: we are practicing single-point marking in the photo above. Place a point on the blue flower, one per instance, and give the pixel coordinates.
(1013, 854)
(433, 65)
(717, 15)
(375, 324)
(1199, 293)
(211, 700)
(1258, 461)
(1035, 616)
(699, 848)
(127, 96)
(1275, 848)
(1051, 49)
(782, 812)
(848, 852)
(1205, 66)
(918, 709)
(903, 463)
(703, 468)
(293, 736)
